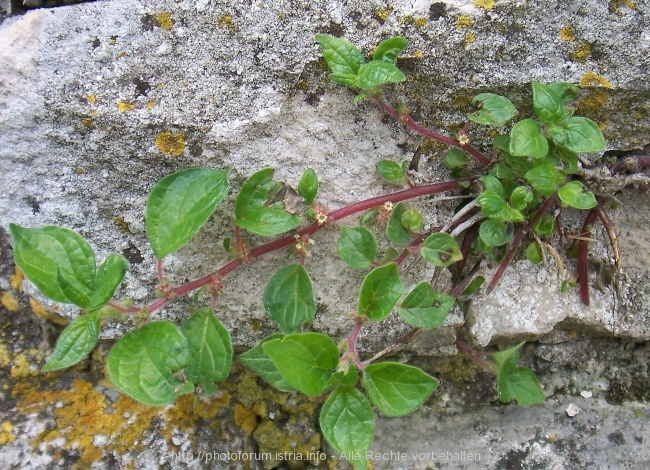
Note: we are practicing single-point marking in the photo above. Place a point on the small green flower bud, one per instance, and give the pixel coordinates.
(412, 220)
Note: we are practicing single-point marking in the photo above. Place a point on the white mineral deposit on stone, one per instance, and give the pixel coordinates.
(572, 410)
(586, 394)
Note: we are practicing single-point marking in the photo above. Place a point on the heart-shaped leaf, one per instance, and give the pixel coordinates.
(357, 247)
(440, 249)
(380, 291)
(573, 194)
(262, 365)
(424, 307)
(180, 204)
(342, 57)
(143, 363)
(397, 389)
(494, 110)
(210, 350)
(578, 134)
(545, 179)
(548, 103)
(494, 232)
(306, 360)
(527, 140)
(377, 73)
(289, 298)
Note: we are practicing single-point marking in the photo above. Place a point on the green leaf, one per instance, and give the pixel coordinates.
(262, 365)
(508, 357)
(367, 217)
(534, 253)
(289, 298)
(474, 286)
(493, 185)
(210, 350)
(391, 254)
(143, 363)
(41, 252)
(342, 57)
(180, 204)
(109, 275)
(75, 342)
(377, 73)
(346, 379)
(412, 220)
(308, 186)
(545, 179)
(391, 171)
(527, 140)
(306, 360)
(493, 205)
(254, 193)
(74, 290)
(268, 222)
(456, 159)
(397, 389)
(566, 91)
(380, 291)
(521, 384)
(494, 232)
(578, 134)
(520, 197)
(424, 307)
(348, 423)
(494, 110)
(570, 159)
(545, 226)
(502, 171)
(357, 247)
(395, 231)
(573, 194)
(548, 103)
(440, 249)
(388, 50)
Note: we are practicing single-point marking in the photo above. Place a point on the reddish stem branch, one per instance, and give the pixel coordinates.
(352, 345)
(583, 256)
(474, 356)
(515, 243)
(408, 121)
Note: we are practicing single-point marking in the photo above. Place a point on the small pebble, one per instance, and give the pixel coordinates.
(586, 394)
(572, 410)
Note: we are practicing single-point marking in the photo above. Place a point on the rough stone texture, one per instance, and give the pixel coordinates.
(86, 90)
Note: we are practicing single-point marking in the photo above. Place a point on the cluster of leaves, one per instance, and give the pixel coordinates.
(159, 361)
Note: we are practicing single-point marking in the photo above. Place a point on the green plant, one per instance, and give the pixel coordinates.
(532, 170)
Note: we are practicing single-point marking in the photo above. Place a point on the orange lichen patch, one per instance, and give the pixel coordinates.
(9, 301)
(582, 54)
(463, 22)
(245, 419)
(614, 5)
(16, 280)
(5, 357)
(383, 13)
(567, 33)
(40, 312)
(183, 415)
(88, 122)
(593, 102)
(125, 106)
(6, 434)
(22, 368)
(417, 55)
(591, 79)
(170, 144)
(91, 99)
(121, 224)
(151, 104)
(226, 22)
(485, 4)
(469, 38)
(165, 20)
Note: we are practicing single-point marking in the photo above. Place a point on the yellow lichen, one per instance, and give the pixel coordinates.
(9, 301)
(591, 79)
(183, 415)
(22, 367)
(88, 122)
(125, 106)
(418, 55)
(6, 434)
(469, 38)
(226, 22)
(383, 13)
(165, 20)
(485, 4)
(151, 104)
(256, 326)
(582, 53)
(16, 280)
(593, 102)
(91, 98)
(245, 419)
(420, 22)
(463, 22)
(567, 33)
(170, 143)
(5, 357)
(40, 312)
(614, 5)
(121, 224)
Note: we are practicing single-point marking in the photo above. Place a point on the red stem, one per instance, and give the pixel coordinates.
(407, 120)
(288, 240)
(515, 243)
(352, 345)
(583, 256)
(474, 356)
